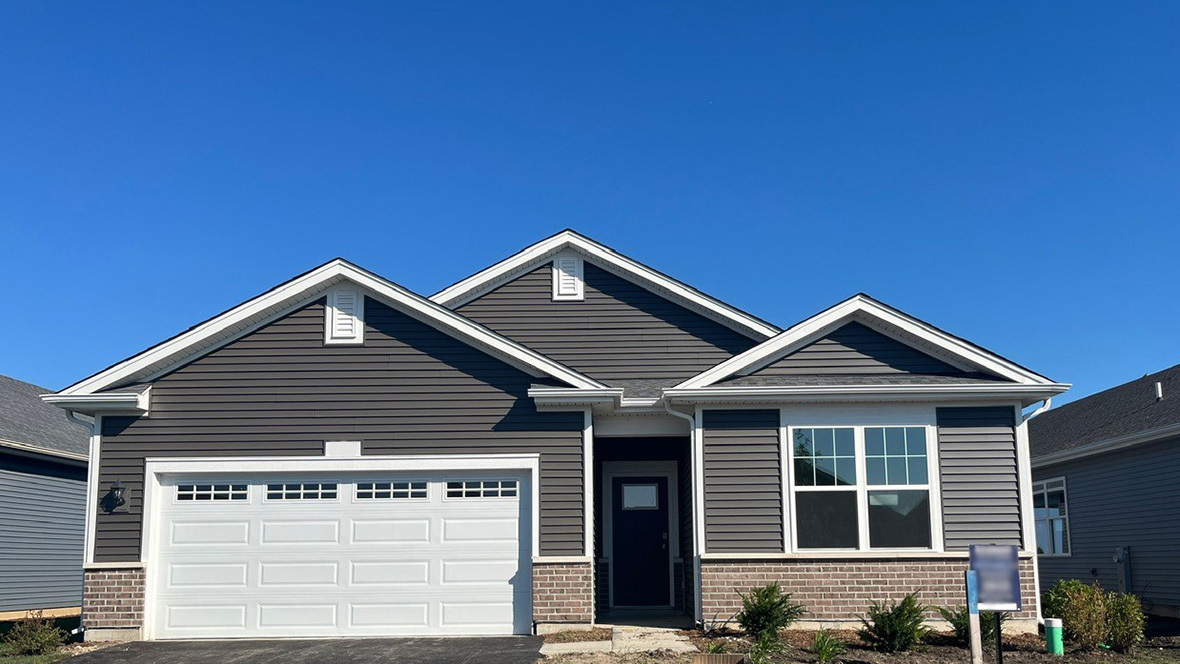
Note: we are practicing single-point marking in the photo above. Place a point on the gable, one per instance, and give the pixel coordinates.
(856, 348)
(619, 331)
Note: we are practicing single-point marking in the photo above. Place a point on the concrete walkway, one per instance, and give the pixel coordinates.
(627, 639)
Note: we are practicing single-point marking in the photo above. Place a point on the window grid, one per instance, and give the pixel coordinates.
(481, 489)
(301, 491)
(896, 456)
(390, 490)
(1051, 517)
(825, 457)
(212, 492)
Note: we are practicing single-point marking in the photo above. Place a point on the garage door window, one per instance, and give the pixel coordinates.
(481, 489)
(211, 492)
(301, 491)
(390, 490)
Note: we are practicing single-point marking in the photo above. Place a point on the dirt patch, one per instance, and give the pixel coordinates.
(610, 658)
(577, 636)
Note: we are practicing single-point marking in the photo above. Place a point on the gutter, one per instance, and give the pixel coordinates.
(44, 451)
(697, 536)
(114, 403)
(809, 393)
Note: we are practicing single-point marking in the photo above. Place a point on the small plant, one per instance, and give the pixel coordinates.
(960, 623)
(768, 609)
(765, 648)
(717, 647)
(1083, 615)
(895, 627)
(34, 635)
(1124, 621)
(1053, 599)
(828, 647)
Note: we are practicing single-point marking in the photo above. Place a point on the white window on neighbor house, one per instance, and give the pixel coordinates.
(861, 488)
(567, 277)
(1051, 518)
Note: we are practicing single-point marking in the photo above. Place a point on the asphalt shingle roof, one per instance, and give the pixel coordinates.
(25, 419)
(1125, 409)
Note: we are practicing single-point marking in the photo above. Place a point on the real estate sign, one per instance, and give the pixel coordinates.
(997, 572)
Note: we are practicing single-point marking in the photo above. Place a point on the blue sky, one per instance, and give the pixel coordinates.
(1007, 171)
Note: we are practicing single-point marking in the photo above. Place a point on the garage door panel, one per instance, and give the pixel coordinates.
(259, 566)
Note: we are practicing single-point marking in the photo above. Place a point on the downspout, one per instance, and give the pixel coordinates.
(696, 507)
(86, 536)
(1045, 405)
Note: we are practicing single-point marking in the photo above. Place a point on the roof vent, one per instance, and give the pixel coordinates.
(1159, 390)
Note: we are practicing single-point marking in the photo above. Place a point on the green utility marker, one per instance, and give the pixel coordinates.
(1053, 643)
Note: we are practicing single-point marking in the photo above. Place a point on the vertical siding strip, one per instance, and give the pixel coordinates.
(979, 477)
(743, 481)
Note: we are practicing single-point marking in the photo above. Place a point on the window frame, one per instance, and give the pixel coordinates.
(862, 488)
(356, 489)
(1039, 487)
(267, 499)
(446, 489)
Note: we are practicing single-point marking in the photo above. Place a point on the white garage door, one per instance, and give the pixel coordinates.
(388, 554)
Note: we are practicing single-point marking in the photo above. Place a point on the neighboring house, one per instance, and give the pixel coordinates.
(1106, 473)
(562, 435)
(42, 503)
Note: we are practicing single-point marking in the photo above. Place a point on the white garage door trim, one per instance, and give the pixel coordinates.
(157, 469)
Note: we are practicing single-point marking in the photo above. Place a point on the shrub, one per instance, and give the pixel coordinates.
(828, 647)
(717, 647)
(1124, 621)
(959, 620)
(895, 627)
(34, 635)
(768, 609)
(1053, 601)
(765, 648)
(1083, 615)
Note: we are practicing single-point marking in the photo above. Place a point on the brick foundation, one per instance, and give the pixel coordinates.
(841, 590)
(112, 602)
(563, 593)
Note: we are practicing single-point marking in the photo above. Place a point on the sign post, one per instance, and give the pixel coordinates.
(973, 617)
(997, 570)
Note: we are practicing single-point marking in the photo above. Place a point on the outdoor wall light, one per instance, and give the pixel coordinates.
(115, 497)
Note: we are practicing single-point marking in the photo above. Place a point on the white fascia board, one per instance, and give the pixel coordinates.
(859, 305)
(1108, 445)
(279, 301)
(557, 398)
(44, 451)
(605, 257)
(860, 393)
(110, 403)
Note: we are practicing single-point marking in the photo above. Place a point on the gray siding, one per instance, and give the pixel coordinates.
(856, 349)
(1122, 498)
(409, 390)
(743, 481)
(620, 331)
(980, 483)
(42, 523)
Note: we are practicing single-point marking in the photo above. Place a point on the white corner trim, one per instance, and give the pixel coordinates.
(857, 306)
(612, 261)
(1107, 445)
(588, 481)
(568, 282)
(344, 317)
(92, 475)
(112, 403)
(299, 291)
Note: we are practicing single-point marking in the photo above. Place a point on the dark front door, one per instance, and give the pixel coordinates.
(640, 541)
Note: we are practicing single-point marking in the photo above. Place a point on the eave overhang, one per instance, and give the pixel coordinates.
(1108, 445)
(103, 403)
(1025, 394)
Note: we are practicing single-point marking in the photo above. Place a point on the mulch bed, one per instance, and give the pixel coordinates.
(577, 636)
(941, 648)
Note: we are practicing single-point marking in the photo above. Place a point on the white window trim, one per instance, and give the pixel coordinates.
(579, 291)
(1038, 486)
(332, 314)
(862, 488)
(490, 478)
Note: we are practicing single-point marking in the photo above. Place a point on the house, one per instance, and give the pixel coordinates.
(42, 504)
(1106, 476)
(563, 435)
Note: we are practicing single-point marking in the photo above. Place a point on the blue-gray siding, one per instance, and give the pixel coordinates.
(743, 481)
(979, 479)
(409, 390)
(1123, 498)
(42, 521)
(857, 349)
(621, 331)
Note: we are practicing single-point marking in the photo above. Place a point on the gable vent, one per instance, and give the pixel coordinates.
(567, 278)
(344, 320)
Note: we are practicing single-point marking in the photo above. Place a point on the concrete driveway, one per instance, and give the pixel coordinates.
(501, 650)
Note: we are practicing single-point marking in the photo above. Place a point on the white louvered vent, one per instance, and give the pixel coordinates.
(344, 320)
(567, 277)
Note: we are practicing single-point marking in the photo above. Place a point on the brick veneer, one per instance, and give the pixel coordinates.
(840, 590)
(113, 599)
(562, 593)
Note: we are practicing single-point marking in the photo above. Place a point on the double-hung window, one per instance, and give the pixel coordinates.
(1052, 521)
(861, 488)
